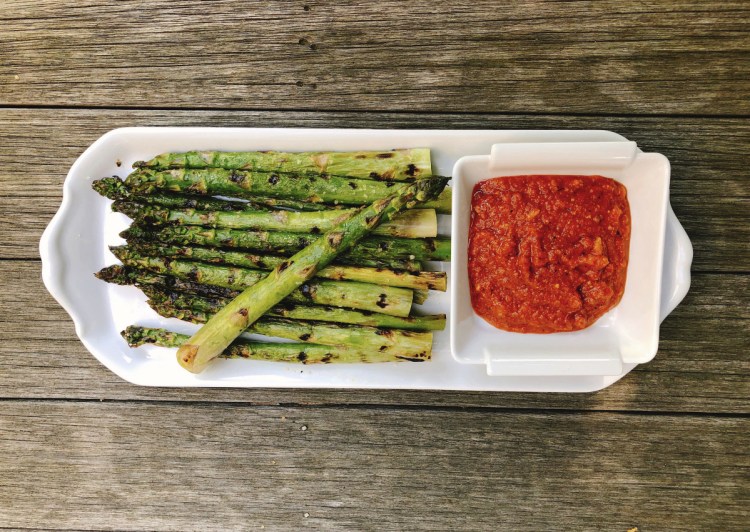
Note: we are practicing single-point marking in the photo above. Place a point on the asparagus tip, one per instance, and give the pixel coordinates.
(110, 187)
(135, 336)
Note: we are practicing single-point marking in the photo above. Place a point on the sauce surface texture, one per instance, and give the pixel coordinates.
(547, 253)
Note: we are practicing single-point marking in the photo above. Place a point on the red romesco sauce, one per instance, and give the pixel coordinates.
(547, 253)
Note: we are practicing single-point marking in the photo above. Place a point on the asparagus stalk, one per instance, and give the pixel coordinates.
(164, 288)
(304, 353)
(395, 165)
(283, 243)
(381, 276)
(163, 297)
(416, 223)
(224, 326)
(115, 189)
(364, 296)
(249, 184)
(360, 338)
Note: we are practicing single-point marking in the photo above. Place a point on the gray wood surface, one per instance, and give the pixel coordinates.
(469, 55)
(666, 448)
(177, 466)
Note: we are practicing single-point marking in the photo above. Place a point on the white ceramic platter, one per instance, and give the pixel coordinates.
(74, 246)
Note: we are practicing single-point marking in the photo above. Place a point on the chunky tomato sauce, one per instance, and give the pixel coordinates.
(547, 253)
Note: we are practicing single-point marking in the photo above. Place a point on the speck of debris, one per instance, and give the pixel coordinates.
(306, 514)
(299, 84)
(306, 7)
(16, 77)
(283, 418)
(304, 41)
(303, 427)
(313, 46)
(273, 462)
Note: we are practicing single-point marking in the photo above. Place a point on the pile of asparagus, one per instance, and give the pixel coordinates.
(358, 226)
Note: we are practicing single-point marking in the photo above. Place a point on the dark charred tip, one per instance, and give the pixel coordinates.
(327, 358)
(389, 184)
(302, 357)
(315, 230)
(353, 185)
(383, 348)
(382, 301)
(274, 178)
(284, 265)
(242, 312)
(139, 164)
(304, 337)
(411, 170)
(386, 155)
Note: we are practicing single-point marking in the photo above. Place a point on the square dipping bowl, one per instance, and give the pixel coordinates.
(628, 333)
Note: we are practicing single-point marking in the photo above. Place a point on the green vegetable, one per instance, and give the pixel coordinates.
(163, 298)
(395, 165)
(363, 296)
(375, 248)
(250, 184)
(416, 223)
(304, 353)
(380, 276)
(245, 309)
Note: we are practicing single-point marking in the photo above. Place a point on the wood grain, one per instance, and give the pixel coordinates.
(709, 175)
(609, 57)
(140, 466)
(697, 368)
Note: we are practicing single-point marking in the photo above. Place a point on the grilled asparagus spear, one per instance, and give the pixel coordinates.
(376, 248)
(416, 223)
(395, 165)
(380, 276)
(164, 297)
(362, 296)
(303, 353)
(249, 184)
(361, 338)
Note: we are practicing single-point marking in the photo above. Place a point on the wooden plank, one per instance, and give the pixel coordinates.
(701, 366)
(709, 174)
(129, 466)
(685, 57)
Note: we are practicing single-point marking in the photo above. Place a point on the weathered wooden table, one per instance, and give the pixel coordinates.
(664, 449)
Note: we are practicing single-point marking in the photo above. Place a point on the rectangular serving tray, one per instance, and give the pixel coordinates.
(74, 246)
